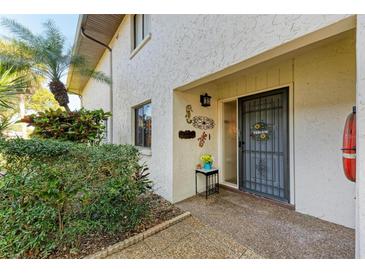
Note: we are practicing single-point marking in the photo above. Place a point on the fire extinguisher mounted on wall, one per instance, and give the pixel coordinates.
(349, 146)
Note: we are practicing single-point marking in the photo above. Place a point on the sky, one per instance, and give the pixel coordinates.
(67, 24)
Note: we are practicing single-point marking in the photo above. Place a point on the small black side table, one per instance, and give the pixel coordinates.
(211, 181)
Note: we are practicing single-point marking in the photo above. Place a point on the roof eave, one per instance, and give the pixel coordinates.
(102, 27)
(74, 50)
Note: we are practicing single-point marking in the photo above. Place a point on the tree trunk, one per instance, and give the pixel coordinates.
(59, 92)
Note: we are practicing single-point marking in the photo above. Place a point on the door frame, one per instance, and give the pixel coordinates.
(285, 137)
(291, 152)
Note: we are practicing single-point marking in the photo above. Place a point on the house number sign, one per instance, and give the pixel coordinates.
(260, 131)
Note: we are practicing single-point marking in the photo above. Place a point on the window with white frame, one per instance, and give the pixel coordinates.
(141, 28)
(143, 125)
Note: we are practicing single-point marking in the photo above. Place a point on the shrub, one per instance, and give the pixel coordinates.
(83, 126)
(54, 193)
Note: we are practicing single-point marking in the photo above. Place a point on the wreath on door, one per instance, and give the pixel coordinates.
(260, 131)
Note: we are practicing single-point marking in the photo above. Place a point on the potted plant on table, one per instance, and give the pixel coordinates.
(207, 160)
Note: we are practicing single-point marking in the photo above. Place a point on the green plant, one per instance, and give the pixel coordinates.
(45, 55)
(4, 123)
(83, 126)
(55, 193)
(207, 158)
(11, 85)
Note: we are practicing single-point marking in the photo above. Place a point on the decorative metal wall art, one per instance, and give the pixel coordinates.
(260, 131)
(202, 139)
(203, 122)
(187, 134)
(189, 110)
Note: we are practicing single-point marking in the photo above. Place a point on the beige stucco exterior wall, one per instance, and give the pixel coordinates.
(187, 152)
(322, 93)
(96, 94)
(182, 49)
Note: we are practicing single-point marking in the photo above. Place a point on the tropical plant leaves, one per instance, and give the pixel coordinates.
(11, 85)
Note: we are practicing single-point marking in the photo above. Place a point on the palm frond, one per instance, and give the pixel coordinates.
(54, 38)
(11, 85)
(5, 122)
(80, 64)
(22, 33)
(96, 75)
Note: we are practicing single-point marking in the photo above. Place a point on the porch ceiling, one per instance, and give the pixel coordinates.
(102, 27)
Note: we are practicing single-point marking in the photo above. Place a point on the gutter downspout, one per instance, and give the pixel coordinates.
(111, 77)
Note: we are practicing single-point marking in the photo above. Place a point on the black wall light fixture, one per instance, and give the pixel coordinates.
(205, 100)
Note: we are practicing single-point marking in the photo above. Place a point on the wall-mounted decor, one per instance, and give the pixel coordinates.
(187, 134)
(189, 110)
(202, 139)
(205, 100)
(203, 122)
(260, 131)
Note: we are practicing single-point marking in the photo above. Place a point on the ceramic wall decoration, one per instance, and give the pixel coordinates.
(202, 139)
(203, 122)
(189, 110)
(187, 134)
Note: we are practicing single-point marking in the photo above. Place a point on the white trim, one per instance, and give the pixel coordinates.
(230, 185)
(140, 46)
(145, 151)
(220, 141)
(291, 134)
(349, 155)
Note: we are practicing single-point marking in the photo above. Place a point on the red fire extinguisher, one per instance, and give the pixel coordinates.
(349, 146)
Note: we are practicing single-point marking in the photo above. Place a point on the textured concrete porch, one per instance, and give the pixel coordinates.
(270, 230)
(189, 239)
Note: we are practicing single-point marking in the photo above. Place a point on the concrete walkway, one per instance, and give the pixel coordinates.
(232, 225)
(189, 239)
(269, 229)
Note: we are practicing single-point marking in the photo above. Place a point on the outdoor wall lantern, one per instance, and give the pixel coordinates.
(205, 100)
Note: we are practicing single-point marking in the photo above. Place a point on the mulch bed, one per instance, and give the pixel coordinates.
(161, 211)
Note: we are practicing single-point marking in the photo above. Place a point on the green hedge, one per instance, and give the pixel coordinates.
(54, 193)
(82, 126)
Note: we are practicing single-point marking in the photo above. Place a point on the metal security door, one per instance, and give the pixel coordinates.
(263, 144)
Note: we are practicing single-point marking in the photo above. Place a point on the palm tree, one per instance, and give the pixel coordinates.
(45, 55)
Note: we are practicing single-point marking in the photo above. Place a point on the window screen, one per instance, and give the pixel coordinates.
(143, 125)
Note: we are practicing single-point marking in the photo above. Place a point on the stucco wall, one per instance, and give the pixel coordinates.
(360, 131)
(324, 82)
(187, 152)
(96, 94)
(184, 48)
